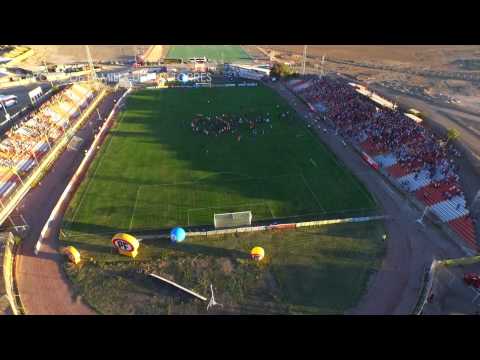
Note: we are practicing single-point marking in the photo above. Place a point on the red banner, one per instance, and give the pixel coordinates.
(282, 226)
(370, 161)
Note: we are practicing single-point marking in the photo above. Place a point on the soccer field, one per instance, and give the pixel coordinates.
(155, 172)
(220, 53)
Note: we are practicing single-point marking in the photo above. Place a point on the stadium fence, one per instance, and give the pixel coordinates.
(426, 288)
(8, 246)
(276, 226)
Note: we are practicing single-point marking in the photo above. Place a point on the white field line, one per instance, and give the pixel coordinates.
(336, 161)
(269, 209)
(134, 208)
(311, 191)
(227, 206)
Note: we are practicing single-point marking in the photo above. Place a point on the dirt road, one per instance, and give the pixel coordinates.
(42, 284)
(410, 247)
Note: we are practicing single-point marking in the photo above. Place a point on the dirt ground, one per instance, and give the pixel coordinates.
(156, 52)
(434, 56)
(60, 54)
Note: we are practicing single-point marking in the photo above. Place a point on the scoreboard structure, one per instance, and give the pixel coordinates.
(200, 66)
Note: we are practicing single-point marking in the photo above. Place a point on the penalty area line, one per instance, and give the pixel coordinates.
(134, 208)
(311, 191)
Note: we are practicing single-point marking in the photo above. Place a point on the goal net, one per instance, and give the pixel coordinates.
(235, 219)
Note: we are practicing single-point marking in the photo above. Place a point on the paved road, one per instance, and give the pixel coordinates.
(410, 247)
(42, 284)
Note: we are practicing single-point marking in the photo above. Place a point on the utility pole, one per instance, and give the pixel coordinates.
(135, 51)
(304, 58)
(420, 220)
(46, 72)
(322, 70)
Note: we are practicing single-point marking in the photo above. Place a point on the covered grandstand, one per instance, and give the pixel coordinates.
(26, 143)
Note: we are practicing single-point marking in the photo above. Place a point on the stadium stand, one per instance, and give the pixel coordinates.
(416, 159)
(23, 146)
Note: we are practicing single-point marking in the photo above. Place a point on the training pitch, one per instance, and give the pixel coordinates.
(154, 172)
(219, 53)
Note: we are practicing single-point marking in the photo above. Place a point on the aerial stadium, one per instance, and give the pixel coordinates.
(228, 180)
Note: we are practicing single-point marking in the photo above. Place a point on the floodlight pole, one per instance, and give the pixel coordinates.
(420, 220)
(7, 115)
(322, 71)
(93, 74)
(304, 58)
(212, 301)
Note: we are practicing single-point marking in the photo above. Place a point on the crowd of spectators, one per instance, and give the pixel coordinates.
(42, 126)
(387, 131)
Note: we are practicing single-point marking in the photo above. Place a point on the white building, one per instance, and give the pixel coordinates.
(252, 72)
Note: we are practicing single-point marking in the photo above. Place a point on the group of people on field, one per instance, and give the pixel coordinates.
(236, 125)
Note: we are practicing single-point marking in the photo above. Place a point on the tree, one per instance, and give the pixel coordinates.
(452, 134)
(281, 70)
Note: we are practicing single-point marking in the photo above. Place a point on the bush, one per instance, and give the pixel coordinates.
(281, 70)
(452, 134)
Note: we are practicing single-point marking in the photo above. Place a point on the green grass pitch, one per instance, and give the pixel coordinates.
(226, 53)
(154, 172)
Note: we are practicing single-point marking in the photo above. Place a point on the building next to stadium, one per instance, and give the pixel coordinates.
(252, 72)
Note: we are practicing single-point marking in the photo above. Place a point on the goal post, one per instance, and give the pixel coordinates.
(234, 219)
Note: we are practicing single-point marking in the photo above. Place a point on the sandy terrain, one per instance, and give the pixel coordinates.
(155, 53)
(429, 55)
(60, 54)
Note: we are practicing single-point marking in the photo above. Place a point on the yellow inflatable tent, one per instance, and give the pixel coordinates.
(126, 244)
(72, 254)
(257, 253)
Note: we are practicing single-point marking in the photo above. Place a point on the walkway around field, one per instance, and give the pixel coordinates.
(41, 282)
